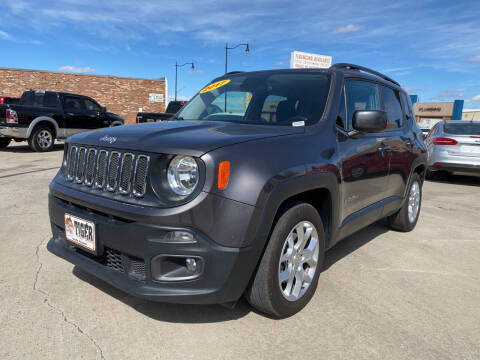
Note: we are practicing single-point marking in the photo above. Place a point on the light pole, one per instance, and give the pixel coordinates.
(247, 50)
(176, 74)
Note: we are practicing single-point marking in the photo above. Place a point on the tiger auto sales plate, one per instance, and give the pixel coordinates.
(80, 232)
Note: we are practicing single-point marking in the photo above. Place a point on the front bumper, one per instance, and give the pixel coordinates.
(225, 271)
(13, 132)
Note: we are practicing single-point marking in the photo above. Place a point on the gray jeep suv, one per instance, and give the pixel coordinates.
(242, 194)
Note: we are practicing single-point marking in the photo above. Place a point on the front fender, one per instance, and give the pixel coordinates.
(276, 192)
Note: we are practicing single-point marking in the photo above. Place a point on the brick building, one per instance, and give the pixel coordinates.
(123, 96)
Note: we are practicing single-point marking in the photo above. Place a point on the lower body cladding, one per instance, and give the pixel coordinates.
(154, 262)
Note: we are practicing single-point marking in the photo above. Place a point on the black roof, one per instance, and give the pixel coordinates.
(345, 68)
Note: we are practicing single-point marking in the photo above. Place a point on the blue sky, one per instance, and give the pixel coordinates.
(431, 47)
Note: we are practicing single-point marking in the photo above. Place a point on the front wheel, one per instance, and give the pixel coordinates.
(4, 142)
(288, 273)
(42, 139)
(406, 218)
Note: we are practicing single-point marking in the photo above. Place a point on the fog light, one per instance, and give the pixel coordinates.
(191, 264)
(180, 237)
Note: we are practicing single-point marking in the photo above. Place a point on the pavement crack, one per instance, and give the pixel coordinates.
(46, 300)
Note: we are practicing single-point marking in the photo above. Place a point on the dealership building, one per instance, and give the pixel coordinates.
(471, 114)
(121, 95)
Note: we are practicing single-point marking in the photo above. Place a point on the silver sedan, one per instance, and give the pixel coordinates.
(454, 146)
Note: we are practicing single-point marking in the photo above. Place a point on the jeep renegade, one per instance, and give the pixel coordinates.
(242, 194)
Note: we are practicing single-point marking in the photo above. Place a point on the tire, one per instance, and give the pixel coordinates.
(405, 219)
(429, 175)
(266, 292)
(42, 139)
(4, 142)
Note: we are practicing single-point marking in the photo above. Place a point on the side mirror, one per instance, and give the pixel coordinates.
(104, 109)
(369, 121)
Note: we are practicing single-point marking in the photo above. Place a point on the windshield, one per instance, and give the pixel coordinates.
(462, 128)
(279, 98)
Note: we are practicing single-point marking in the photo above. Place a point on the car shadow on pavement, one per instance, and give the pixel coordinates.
(174, 313)
(26, 148)
(457, 180)
(180, 313)
(354, 242)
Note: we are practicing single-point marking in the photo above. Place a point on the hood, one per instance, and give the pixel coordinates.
(113, 115)
(193, 138)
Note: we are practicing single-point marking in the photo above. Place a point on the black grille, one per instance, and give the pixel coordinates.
(114, 260)
(140, 185)
(134, 267)
(126, 174)
(80, 173)
(72, 161)
(112, 171)
(90, 168)
(101, 169)
(137, 269)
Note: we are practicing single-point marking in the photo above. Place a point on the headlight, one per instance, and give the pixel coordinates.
(182, 175)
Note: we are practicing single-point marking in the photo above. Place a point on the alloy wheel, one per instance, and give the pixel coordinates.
(413, 202)
(298, 261)
(44, 139)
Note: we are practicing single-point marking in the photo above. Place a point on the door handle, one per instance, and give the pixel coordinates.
(70, 114)
(384, 149)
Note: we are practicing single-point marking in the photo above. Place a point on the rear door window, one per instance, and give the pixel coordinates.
(91, 105)
(407, 105)
(73, 104)
(50, 99)
(342, 113)
(361, 95)
(391, 105)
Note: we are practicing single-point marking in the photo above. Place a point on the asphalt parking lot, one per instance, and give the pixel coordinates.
(382, 294)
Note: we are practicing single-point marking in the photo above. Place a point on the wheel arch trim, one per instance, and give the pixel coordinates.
(40, 119)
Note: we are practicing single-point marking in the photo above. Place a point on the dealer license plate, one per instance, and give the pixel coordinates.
(79, 231)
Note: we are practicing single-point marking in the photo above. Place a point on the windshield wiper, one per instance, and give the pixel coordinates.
(178, 118)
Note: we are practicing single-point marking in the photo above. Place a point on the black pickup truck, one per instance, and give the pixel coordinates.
(40, 117)
(172, 108)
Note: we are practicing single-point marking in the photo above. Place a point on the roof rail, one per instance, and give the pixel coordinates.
(364, 69)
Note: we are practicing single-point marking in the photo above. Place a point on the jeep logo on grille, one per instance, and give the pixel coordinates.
(109, 139)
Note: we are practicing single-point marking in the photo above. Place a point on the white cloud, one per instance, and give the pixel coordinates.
(474, 58)
(4, 35)
(77, 69)
(473, 99)
(451, 94)
(414, 90)
(346, 29)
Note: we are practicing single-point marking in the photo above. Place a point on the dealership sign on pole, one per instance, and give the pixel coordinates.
(302, 60)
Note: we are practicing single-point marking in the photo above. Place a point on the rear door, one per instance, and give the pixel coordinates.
(95, 115)
(398, 146)
(76, 117)
(364, 167)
